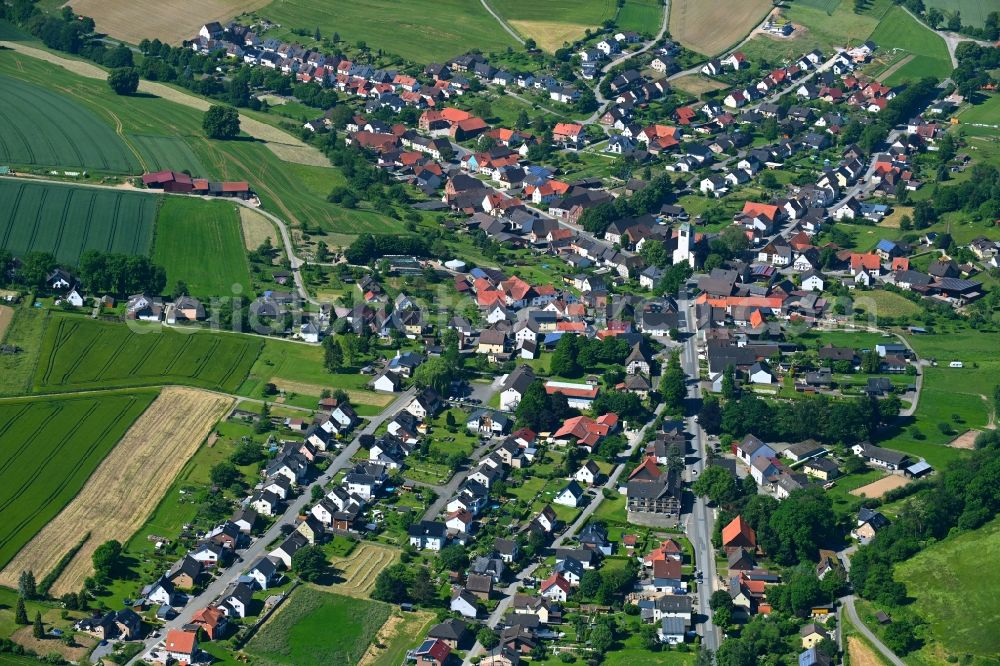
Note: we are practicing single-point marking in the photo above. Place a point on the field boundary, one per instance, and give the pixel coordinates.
(126, 486)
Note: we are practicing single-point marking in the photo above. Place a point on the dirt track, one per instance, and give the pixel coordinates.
(123, 491)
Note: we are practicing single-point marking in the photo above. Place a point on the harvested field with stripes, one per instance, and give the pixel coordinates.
(66, 220)
(83, 354)
(50, 447)
(125, 488)
(361, 567)
(712, 27)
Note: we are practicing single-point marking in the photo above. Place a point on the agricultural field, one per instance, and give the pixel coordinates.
(297, 192)
(200, 243)
(166, 153)
(45, 129)
(83, 354)
(256, 228)
(171, 21)
(711, 28)
(644, 16)
(899, 30)
(556, 21)
(419, 30)
(956, 593)
(125, 488)
(974, 12)
(66, 220)
(51, 446)
(314, 627)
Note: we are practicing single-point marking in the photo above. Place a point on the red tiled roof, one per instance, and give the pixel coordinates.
(738, 527)
(180, 641)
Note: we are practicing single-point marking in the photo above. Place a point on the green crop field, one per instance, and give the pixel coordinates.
(641, 16)
(957, 592)
(420, 30)
(899, 30)
(66, 220)
(295, 192)
(50, 447)
(973, 11)
(161, 153)
(44, 128)
(582, 12)
(315, 627)
(201, 243)
(79, 353)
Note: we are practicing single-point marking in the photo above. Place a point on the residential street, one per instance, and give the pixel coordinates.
(852, 613)
(634, 440)
(700, 524)
(259, 546)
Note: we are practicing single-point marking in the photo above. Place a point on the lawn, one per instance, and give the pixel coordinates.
(899, 30)
(201, 243)
(51, 446)
(418, 30)
(644, 16)
(879, 302)
(956, 593)
(45, 129)
(65, 220)
(314, 627)
(81, 353)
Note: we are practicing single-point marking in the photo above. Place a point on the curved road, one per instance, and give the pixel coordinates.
(601, 100)
(259, 546)
(848, 602)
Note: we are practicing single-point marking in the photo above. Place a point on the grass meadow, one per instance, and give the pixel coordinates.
(899, 30)
(418, 30)
(79, 354)
(956, 593)
(67, 220)
(50, 447)
(44, 128)
(641, 16)
(201, 243)
(973, 11)
(315, 627)
(822, 24)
